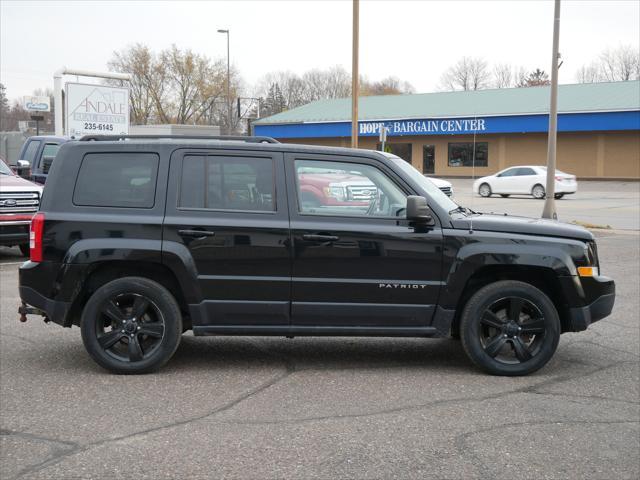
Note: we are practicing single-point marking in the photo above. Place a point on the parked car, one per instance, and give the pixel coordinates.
(36, 156)
(446, 187)
(19, 200)
(139, 240)
(524, 180)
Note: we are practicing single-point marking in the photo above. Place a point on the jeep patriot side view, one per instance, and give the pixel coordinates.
(140, 239)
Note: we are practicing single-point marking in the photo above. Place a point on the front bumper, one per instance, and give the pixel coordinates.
(14, 233)
(600, 294)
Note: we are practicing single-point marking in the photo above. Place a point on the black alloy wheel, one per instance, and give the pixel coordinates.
(131, 325)
(510, 328)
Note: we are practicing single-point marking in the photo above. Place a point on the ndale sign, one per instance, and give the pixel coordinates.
(96, 109)
(425, 127)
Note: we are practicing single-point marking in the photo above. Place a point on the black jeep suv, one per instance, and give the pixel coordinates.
(140, 239)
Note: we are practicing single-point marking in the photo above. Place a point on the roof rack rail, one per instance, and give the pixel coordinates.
(235, 138)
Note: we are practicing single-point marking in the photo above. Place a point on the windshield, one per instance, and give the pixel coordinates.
(4, 170)
(435, 194)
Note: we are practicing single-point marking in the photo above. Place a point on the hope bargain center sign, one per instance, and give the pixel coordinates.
(424, 127)
(96, 109)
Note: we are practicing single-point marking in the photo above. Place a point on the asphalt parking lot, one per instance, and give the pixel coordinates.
(250, 407)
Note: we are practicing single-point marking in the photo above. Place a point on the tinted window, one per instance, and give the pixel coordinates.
(462, 154)
(509, 173)
(352, 189)
(117, 180)
(525, 171)
(227, 183)
(48, 153)
(30, 152)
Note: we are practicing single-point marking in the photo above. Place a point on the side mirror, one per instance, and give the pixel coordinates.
(23, 164)
(418, 210)
(23, 168)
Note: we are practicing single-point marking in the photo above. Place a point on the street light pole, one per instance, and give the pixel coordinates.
(228, 84)
(549, 210)
(355, 80)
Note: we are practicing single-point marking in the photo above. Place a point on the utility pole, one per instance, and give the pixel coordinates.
(229, 119)
(355, 80)
(549, 210)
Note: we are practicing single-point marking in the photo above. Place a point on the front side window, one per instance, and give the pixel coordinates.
(30, 152)
(117, 180)
(347, 189)
(512, 172)
(462, 154)
(227, 183)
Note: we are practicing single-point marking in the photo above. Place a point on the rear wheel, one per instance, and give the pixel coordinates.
(558, 196)
(504, 195)
(538, 191)
(510, 328)
(484, 190)
(131, 325)
(24, 249)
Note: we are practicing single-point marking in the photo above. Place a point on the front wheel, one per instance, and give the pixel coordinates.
(131, 325)
(538, 192)
(484, 190)
(510, 328)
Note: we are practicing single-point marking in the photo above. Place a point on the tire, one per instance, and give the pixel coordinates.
(131, 308)
(558, 196)
(501, 346)
(538, 191)
(24, 249)
(504, 195)
(484, 190)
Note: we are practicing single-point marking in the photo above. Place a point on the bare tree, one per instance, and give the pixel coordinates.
(332, 83)
(386, 86)
(177, 86)
(139, 61)
(589, 73)
(468, 73)
(612, 65)
(503, 75)
(620, 64)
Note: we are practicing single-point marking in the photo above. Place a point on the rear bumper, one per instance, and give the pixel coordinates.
(601, 295)
(56, 311)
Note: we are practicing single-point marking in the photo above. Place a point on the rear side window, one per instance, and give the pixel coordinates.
(48, 153)
(117, 180)
(227, 183)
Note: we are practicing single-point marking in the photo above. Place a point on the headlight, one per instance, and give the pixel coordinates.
(336, 191)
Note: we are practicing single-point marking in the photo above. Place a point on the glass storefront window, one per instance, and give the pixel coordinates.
(461, 154)
(402, 150)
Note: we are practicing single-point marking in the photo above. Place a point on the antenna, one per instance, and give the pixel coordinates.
(473, 171)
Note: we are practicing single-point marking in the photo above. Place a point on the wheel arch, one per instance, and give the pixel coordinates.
(542, 277)
(103, 272)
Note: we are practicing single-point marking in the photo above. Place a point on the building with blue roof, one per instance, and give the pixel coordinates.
(455, 133)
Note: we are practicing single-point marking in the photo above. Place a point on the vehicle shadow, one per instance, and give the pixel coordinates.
(319, 353)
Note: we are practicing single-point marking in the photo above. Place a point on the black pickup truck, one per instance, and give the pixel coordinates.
(36, 156)
(140, 239)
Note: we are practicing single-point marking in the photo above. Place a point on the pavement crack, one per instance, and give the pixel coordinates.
(460, 441)
(60, 449)
(78, 448)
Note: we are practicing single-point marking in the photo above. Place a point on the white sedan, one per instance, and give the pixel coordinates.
(524, 180)
(446, 187)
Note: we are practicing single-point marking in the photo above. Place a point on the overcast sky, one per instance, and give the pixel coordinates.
(413, 40)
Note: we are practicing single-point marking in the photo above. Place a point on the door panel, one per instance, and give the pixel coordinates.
(235, 227)
(359, 271)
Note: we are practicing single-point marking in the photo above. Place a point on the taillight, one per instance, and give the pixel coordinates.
(35, 237)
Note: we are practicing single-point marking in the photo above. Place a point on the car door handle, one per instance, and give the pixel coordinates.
(320, 238)
(196, 233)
